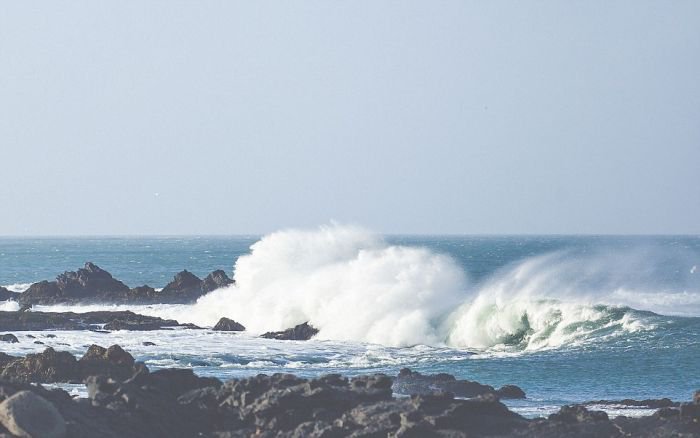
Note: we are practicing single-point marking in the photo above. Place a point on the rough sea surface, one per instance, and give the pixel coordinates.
(567, 318)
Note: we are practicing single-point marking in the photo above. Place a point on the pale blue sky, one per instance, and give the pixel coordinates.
(223, 117)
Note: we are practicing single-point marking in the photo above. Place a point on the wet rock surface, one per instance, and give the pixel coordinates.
(413, 382)
(9, 337)
(92, 284)
(301, 332)
(228, 325)
(6, 294)
(178, 403)
(121, 320)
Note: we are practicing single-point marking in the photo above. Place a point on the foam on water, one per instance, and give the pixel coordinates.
(354, 286)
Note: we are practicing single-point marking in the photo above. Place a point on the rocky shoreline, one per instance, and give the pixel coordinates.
(126, 399)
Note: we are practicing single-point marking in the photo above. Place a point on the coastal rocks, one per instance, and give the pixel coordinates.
(124, 320)
(92, 284)
(413, 382)
(28, 415)
(215, 280)
(8, 295)
(87, 283)
(301, 332)
(53, 366)
(111, 362)
(228, 325)
(648, 403)
(9, 337)
(47, 367)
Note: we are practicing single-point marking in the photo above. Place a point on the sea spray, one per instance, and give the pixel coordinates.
(345, 281)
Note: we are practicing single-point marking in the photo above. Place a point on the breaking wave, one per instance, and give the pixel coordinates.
(354, 286)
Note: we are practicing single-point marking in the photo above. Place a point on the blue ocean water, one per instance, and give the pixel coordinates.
(587, 317)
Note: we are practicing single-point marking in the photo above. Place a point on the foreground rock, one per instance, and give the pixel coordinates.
(92, 284)
(9, 337)
(228, 325)
(122, 320)
(301, 332)
(27, 414)
(51, 366)
(413, 382)
(177, 403)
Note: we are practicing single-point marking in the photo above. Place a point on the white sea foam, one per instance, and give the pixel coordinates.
(17, 287)
(353, 286)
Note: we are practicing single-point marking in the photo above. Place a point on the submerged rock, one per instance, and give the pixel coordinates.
(413, 382)
(301, 332)
(228, 325)
(9, 337)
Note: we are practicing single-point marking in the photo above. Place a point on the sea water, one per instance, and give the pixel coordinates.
(567, 318)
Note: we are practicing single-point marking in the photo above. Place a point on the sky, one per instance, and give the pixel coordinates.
(465, 117)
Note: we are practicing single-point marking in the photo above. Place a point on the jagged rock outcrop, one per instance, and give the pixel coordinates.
(301, 332)
(413, 382)
(112, 362)
(215, 280)
(92, 284)
(228, 325)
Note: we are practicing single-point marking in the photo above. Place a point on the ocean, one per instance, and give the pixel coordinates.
(567, 318)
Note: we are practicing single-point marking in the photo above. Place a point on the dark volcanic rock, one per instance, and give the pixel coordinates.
(9, 337)
(413, 382)
(19, 321)
(185, 287)
(215, 280)
(148, 344)
(301, 332)
(47, 367)
(111, 362)
(90, 283)
(6, 294)
(228, 325)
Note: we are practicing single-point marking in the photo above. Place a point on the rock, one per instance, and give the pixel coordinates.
(92, 284)
(510, 392)
(148, 344)
(215, 280)
(88, 284)
(412, 382)
(648, 403)
(9, 337)
(228, 325)
(5, 359)
(185, 288)
(38, 342)
(20, 321)
(301, 332)
(111, 362)
(8, 295)
(48, 367)
(26, 414)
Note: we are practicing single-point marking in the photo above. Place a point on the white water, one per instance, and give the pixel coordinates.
(353, 286)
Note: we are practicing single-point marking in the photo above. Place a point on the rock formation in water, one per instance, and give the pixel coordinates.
(228, 325)
(301, 332)
(92, 284)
